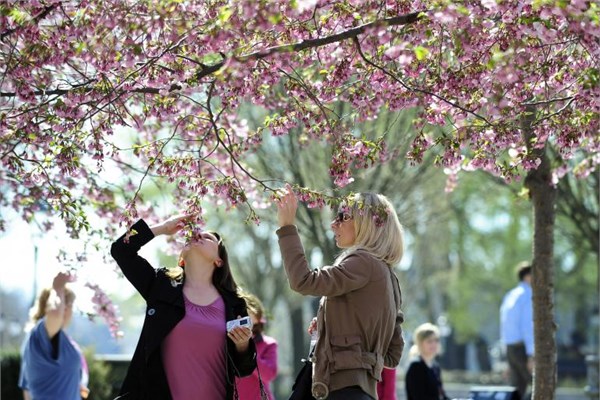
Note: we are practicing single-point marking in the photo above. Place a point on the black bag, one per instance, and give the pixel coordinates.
(301, 390)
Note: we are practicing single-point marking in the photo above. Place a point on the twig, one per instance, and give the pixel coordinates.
(216, 129)
(416, 89)
(35, 19)
(285, 48)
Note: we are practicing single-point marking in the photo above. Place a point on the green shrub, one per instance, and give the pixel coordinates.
(99, 384)
(10, 364)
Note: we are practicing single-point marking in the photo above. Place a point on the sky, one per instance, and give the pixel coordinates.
(18, 267)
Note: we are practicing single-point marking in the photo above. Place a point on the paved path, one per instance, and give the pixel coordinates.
(455, 390)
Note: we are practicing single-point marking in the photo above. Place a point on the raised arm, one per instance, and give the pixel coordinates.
(56, 306)
(125, 250)
(352, 273)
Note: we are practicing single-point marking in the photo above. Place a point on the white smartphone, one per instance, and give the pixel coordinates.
(243, 322)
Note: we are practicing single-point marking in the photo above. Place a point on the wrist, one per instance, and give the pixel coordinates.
(242, 347)
(59, 287)
(157, 229)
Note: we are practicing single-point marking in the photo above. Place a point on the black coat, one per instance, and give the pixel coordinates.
(424, 382)
(165, 307)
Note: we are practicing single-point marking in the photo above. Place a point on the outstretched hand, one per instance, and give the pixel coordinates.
(172, 225)
(287, 204)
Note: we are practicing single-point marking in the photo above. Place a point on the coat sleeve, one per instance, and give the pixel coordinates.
(396, 346)
(350, 274)
(243, 363)
(267, 362)
(525, 322)
(386, 387)
(135, 268)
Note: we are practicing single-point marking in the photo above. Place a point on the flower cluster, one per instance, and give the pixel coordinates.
(482, 77)
(105, 308)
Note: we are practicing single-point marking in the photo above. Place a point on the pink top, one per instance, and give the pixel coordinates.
(386, 388)
(266, 361)
(194, 353)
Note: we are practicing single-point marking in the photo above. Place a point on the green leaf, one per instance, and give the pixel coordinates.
(421, 52)
(18, 16)
(590, 78)
(79, 47)
(225, 13)
(275, 18)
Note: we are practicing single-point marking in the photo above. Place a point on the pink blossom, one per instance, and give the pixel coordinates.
(105, 308)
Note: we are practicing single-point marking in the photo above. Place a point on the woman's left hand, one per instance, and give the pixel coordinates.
(287, 204)
(240, 337)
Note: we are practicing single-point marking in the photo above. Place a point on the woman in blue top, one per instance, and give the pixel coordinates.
(51, 366)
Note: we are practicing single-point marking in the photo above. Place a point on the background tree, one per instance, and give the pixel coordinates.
(306, 165)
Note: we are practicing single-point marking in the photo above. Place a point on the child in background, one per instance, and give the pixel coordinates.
(249, 387)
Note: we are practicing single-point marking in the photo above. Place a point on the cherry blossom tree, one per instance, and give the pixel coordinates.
(505, 79)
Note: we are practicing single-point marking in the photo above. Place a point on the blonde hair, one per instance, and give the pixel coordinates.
(39, 310)
(254, 306)
(421, 334)
(377, 228)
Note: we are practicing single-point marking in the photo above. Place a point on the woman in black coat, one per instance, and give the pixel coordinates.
(184, 349)
(424, 378)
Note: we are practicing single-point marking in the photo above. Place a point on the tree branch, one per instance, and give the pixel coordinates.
(563, 108)
(549, 101)
(35, 19)
(285, 48)
(234, 160)
(416, 89)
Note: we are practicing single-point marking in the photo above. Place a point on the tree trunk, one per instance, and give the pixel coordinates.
(543, 197)
(299, 337)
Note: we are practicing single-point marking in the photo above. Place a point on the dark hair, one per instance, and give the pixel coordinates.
(523, 269)
(222, 277)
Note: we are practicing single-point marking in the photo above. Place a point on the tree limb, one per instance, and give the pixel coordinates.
(35, 19)
(285, 48)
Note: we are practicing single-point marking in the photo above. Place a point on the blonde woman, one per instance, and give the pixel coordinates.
(358, 322)
(52, 366)
(423, 377)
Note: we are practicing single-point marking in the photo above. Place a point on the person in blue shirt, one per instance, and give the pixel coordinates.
(52, 364)
(516, 330)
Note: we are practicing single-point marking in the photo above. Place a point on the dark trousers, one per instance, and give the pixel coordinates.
(349, 393)
(520, 377)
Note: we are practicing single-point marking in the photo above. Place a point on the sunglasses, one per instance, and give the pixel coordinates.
(342, 217)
